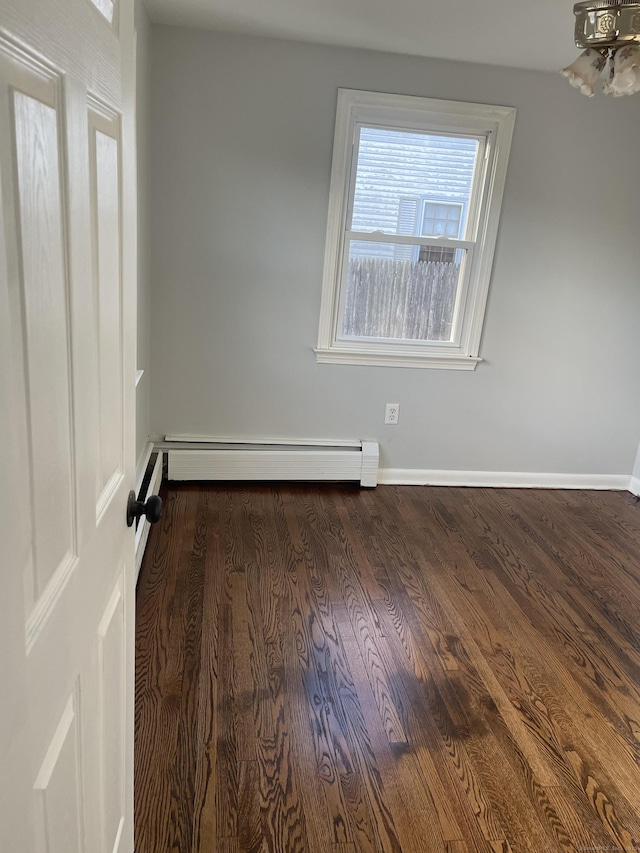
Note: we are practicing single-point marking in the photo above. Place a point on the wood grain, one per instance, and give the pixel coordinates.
(438, 670)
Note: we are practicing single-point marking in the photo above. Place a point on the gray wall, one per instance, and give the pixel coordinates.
(143, 101)
(241, 142)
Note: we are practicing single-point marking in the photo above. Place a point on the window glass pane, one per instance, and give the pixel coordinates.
(401, 292)
(440, 254)
(444, 221)
(397, 169)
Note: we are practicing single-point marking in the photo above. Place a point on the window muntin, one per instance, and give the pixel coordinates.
(403, 169)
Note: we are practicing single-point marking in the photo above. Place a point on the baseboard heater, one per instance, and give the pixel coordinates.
(271, 459)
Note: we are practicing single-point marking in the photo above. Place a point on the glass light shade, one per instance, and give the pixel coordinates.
(583, 74)
(625, 73)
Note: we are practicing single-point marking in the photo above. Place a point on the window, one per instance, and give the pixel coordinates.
(416, 187)
(439, 219)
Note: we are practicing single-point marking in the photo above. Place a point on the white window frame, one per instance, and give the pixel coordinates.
(493, 125)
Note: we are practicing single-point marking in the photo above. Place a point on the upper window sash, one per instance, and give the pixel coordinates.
(479, 172)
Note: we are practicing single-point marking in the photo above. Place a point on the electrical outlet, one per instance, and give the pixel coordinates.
(392, 413)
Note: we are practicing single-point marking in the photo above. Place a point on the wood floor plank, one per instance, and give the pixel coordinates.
(243, 695)
(415, 815)
(536, 754)
(282, 815)
(159, 678)
(189, 629)
(568, 724)
(340, 735)
(614, 699)
(207, 718)
(560, 726)
(576, 818)
(320, 784)
(582, 567)
(481, 629)
(342, 785)
(226, 796)
(227, 845)
(319, 742)
(423, 814)
(405, 669)
(283, 821)
(600, 536)
(471, 762)
(551, 546)
(352, 572)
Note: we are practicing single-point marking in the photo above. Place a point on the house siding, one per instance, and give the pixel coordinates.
(397, 168)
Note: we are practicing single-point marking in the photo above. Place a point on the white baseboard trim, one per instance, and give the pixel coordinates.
(634, 486)
(142, 532)
(503, 479)
(142, 463)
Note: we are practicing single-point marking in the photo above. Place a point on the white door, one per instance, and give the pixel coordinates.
(67, 344)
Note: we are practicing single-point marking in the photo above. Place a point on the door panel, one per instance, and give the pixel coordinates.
(40, 312)
(105, 218)
(67, 396)
(111, 652)
(59, 789)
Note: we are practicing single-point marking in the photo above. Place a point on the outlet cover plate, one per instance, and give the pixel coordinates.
(392, 413)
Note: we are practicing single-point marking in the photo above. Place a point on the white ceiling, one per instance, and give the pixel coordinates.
(520, 33)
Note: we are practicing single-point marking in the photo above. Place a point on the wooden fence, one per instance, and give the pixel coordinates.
(405, 300)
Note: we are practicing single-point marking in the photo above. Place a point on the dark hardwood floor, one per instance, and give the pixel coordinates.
(335, 670)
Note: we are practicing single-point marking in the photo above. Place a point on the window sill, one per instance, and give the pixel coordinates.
(439, 361)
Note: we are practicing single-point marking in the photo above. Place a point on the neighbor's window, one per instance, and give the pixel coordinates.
(416, 187)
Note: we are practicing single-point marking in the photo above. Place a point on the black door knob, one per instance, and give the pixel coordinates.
(152, 509)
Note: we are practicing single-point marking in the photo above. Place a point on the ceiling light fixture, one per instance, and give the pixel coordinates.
(610, 32)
